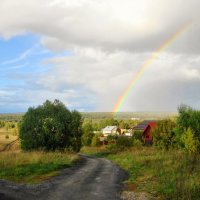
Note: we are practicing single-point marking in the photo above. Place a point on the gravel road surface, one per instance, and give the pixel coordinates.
(92, 179)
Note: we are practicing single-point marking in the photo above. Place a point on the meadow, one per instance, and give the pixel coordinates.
(33, 167)
(6, 137)
(28, 167)
(164, 175)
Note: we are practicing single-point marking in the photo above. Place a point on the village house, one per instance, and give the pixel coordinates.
(127, 132)
(110, 130)
(146, 128)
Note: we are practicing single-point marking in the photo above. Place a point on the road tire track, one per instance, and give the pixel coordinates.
(92, 179)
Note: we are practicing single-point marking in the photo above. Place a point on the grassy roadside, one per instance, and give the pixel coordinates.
(164, 175)
(33, 167)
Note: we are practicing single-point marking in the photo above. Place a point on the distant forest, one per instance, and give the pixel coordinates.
(104, 115)
(128, 115)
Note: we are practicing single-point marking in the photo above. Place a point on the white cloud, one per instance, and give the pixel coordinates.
(109, 41)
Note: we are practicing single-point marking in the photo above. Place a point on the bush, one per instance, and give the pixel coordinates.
(123, 142)
(188, 124)
(95, 141)
(87, 134)
(190, 142)
(49, 127)
(111, 139)
(7, 136)
(164, 135)
(137, 143)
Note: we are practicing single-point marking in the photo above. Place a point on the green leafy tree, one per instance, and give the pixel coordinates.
(188, 121)
(190, 142)
(164, 135)
(50, 126)
(95, 141)
(87, 134)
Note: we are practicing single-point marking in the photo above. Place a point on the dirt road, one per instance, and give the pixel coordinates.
(92, 179)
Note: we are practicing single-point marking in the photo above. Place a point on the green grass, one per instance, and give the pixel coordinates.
(165, 175)
(33, 167)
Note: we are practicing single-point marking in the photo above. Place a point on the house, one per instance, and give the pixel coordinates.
(110, 130)
(146, 128)
(126, 132)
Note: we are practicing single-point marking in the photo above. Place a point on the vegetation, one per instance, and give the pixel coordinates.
(33, 167)
(49, 127)
(128, 115)
(188, 129)
(87, 134)
(171, 174)
(95, 141)
(164, 135)
(11, 117)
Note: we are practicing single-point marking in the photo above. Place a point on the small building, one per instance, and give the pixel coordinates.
(146, 128)
(110, 130)
(127, 132)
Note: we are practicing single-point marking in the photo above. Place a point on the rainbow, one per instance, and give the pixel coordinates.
(146, 64)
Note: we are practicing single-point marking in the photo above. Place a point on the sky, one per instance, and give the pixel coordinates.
(86, 52)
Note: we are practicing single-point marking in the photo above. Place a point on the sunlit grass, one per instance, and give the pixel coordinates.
(166, 175)
(33, 167)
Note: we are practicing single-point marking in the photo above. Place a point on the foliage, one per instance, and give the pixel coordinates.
(137, 135)
(50, 126)
(2, 124)
(7, 136)
(188, 119)
(33, 167)
(190, 142)
(123, 142)
(95, 141)
(123, 124)
(137, 143)
(167, 175)
(87, 134)
(112, 139)
(164, 135)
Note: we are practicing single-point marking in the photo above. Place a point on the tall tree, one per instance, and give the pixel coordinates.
(50, 126)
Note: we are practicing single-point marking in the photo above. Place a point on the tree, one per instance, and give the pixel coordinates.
(188, 126)
(50, 126)
(87, 134)
(190, 142)
(164, 135)
(95, 141)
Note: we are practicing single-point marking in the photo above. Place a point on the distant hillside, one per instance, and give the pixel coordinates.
(11, 117)
(103, 115)
(128, 115)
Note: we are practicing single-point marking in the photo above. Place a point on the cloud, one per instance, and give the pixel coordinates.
(108, 42)
(138, 25)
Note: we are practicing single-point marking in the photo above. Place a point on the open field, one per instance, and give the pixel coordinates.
(163, 175)
(6, 137)
(11, 117)
(33, 167)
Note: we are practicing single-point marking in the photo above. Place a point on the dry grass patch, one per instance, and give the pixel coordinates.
(33, 167)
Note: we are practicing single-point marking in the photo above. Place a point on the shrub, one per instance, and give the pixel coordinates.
(188, 121)
(51, 126)
(137, 143)
(164, 135)
(7, 136)
(190, 142)
(112, 139)
(87, 134)
(137, 135)
(95, 141)
(123, 142)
